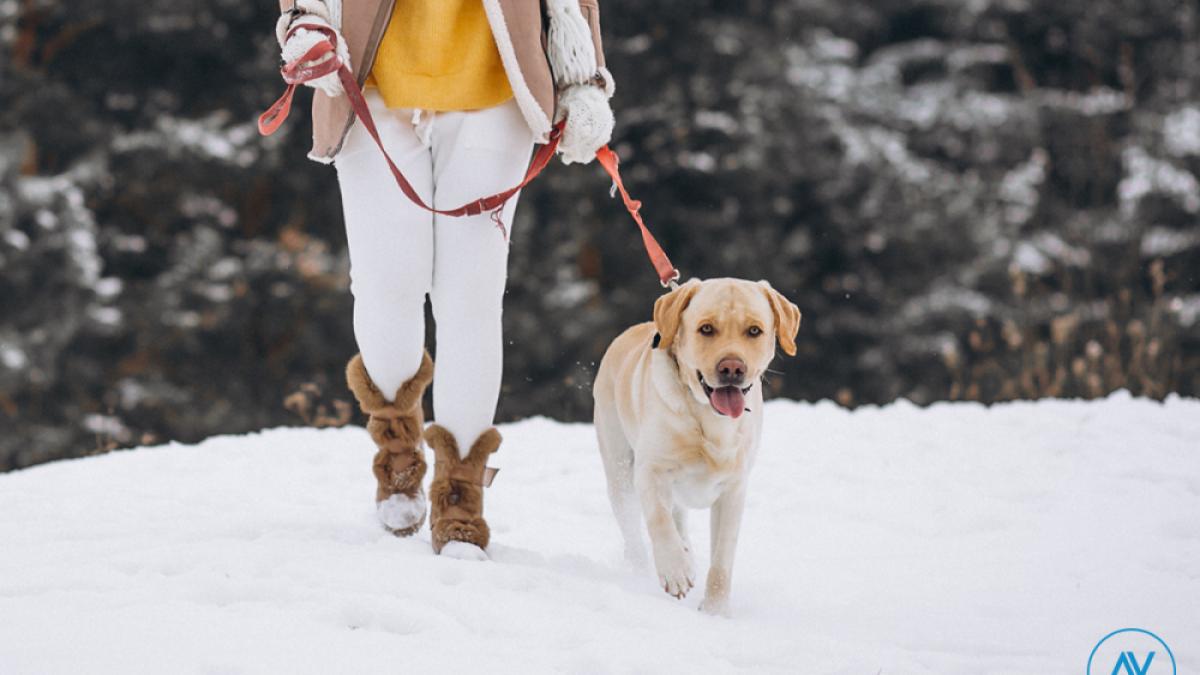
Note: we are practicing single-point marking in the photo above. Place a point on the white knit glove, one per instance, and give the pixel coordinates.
(303, 40)
(589, 121)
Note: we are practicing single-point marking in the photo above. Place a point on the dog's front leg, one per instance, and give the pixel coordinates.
(671, 560)
(726, 520)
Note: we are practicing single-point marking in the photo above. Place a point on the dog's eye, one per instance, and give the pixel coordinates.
(754, 331)
(707, 329)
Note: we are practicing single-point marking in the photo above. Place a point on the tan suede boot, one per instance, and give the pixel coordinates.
(456, 494)
(395, 426)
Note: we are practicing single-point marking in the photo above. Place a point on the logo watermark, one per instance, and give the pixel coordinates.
(1131, 651)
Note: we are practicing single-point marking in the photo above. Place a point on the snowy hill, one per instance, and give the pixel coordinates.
(955, 539)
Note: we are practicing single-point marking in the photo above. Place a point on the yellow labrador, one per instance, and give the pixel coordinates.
(679, 415)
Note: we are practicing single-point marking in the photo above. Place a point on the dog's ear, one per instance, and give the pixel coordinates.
(669, 308)
(787, 318)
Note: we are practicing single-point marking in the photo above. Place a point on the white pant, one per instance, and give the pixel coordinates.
(399, 252)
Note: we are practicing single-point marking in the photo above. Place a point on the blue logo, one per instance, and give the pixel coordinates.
(1131, 651)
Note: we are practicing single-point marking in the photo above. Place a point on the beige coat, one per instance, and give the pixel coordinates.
(517, 26)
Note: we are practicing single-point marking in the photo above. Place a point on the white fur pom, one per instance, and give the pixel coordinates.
(461, 550)
(400, 512)
(589, 122)
(569, 43)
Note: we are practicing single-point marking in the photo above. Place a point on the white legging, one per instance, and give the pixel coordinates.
(399, 252)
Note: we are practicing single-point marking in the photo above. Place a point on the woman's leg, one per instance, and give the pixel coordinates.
(475, 153)
(391, 245)
(391, 266)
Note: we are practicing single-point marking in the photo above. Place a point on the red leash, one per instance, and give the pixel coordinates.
(667, 274)
(324, 58)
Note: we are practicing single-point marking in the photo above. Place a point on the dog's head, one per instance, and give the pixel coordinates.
(722, 333)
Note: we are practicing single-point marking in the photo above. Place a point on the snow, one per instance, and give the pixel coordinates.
(1187, 307)
(1181, 132)
(1029, 259)
(1021, 190)
(1164, 241)
(17, 239)
(1146, 175)
(108, 288)
(105, 316)
(400, 512)
(12, 357)
(952, 539)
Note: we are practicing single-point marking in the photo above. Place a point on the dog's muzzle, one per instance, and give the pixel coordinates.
(728, 400)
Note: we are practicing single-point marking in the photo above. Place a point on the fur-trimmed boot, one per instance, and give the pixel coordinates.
(456, 494)
(395, 426)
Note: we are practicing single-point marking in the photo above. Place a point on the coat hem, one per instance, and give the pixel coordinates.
(532, 111)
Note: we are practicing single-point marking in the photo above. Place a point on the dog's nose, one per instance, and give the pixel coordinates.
(731, 371)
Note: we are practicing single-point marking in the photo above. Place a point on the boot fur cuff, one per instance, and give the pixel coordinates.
(372, 401)
(445, 447)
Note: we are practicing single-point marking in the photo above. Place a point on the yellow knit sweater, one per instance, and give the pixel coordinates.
(439, 55)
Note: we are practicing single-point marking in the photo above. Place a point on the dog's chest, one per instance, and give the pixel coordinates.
(701, 475)
(697, 490)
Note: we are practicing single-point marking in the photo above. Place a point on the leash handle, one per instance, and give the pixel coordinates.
(324, 60)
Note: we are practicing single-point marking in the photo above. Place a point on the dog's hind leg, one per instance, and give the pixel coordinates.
(617, 456)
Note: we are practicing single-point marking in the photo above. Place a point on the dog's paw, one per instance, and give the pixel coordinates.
(716, 592)
(675, 571)
(715, 605)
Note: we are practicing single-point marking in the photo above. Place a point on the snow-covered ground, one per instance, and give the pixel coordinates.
(954, 539)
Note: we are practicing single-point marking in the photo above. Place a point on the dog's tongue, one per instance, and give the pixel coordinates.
(728, 401)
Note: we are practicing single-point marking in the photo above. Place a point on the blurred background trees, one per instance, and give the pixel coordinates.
(971, 199)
